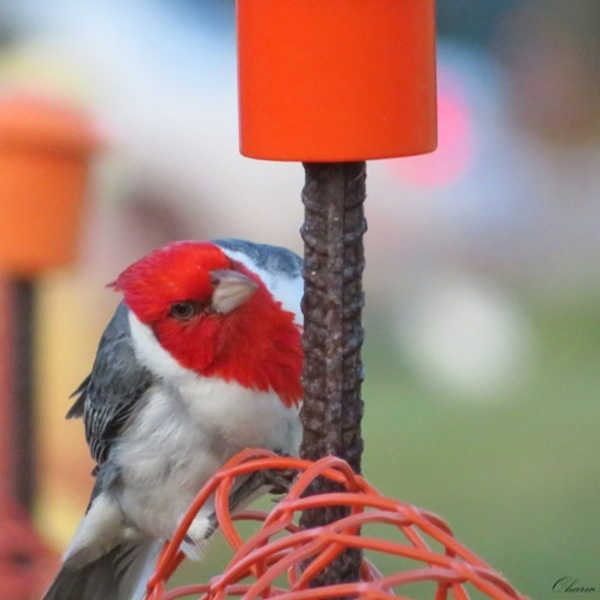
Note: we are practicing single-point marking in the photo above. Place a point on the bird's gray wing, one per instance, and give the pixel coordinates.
(119, 574)
(107, 397)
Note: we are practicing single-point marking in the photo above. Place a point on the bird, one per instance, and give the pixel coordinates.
(202, 359)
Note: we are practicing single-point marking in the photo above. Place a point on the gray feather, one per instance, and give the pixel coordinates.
(272, 259)
(117, 575)
(110, 393)
(78, 409)
(108, 477)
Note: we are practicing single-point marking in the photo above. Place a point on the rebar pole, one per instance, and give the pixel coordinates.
(333, 229)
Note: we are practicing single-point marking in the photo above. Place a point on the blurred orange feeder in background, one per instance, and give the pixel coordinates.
(44, 155)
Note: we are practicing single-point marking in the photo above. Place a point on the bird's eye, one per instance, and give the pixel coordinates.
(183, 311)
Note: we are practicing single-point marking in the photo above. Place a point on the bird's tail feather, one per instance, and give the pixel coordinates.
(120, 574)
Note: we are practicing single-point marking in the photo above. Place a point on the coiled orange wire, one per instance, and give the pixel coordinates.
(267, 554)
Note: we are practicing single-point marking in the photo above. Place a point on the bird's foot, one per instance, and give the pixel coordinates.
(274, 481)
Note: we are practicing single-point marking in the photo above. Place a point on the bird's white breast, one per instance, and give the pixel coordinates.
(186, 428)
(226, 410)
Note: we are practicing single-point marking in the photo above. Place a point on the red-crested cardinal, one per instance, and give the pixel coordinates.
(202, 359)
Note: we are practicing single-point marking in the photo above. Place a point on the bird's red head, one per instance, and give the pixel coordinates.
(215, 317)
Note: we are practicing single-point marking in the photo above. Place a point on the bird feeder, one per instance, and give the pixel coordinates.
(45, 149)
(333, 83)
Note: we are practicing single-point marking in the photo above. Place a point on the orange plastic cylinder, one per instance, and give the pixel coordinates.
(336, 80)
(44, 156)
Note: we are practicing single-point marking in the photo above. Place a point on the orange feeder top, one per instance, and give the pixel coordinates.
(336, 80)
(45, 149)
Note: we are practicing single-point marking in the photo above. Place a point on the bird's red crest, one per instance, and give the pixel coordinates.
(175, 272)
(258, 345)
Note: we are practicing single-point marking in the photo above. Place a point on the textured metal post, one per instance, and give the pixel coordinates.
(334, 225)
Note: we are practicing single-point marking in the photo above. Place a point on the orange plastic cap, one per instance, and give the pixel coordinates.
(336, 80)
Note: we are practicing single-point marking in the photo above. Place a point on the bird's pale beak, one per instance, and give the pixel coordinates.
(232, 289)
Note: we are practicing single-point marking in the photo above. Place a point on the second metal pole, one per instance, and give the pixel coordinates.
(22, 381)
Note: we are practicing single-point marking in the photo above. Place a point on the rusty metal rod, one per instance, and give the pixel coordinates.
(333, 229)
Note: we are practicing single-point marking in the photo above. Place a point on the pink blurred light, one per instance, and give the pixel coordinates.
(455, 150)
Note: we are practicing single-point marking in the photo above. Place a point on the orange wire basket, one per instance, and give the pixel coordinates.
(279, 546)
